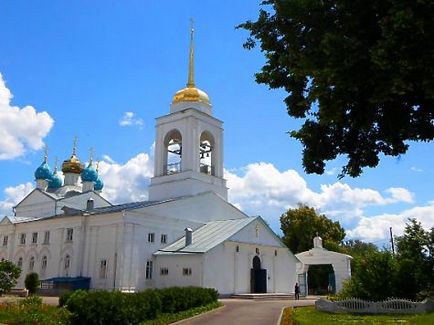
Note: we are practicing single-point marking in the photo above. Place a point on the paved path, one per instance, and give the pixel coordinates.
(246, 312)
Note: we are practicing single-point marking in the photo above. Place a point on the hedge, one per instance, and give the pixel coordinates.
(115, 307)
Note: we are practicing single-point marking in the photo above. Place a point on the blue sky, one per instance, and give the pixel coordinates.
(104, 70)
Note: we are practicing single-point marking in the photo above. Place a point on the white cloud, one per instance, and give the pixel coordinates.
(263, 189)
(13, 195)
(108, 159)
(127, 182)
(129, 119)
(399, 194)
(22, 129)
(377, 227)
(415, 169)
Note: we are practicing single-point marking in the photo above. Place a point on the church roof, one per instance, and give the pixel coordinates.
(208, 236)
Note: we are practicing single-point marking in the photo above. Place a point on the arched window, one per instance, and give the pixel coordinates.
(44, 263)
(31, 263)
(173, 152)
(206, 153)
(67, 262)
(20, 262)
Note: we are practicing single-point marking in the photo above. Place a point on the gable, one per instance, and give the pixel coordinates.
(5, 221)
(79, 201)
(258, 233)
(35, 197)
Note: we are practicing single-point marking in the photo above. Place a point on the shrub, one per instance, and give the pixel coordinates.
(104, 307)
(64, 298)
(9, 273)
(32, 282)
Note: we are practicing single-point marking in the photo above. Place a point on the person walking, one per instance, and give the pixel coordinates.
(297, 291)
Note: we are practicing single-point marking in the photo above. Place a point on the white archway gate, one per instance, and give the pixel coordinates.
(318, 255)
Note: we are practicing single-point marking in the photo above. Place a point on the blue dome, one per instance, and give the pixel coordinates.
(55, 181)
(43, 172)
(89, 174)
(99, 184)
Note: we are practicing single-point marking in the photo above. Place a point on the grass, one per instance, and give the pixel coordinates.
(164, 319)
(309, 315)
(31, 311)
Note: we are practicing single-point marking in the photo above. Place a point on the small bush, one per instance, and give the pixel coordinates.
(32, 282)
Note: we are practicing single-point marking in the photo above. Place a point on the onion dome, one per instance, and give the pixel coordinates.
(73, 164)
(89, 174)
(99, 184)
(55, 182)
(43, 171)
(191, 93)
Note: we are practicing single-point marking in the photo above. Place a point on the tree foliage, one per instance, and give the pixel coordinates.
(302, 224)
(31, 282)
(9, 273)
(415, 259)
(377, 275)
(373, 277)
(359, 72)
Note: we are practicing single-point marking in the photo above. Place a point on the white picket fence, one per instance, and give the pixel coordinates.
(389, 306)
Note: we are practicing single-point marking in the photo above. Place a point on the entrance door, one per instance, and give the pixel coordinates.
(258, 277)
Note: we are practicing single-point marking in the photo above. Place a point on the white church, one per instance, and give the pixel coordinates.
(186, 234)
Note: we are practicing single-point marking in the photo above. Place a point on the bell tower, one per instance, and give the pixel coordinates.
(189, 145)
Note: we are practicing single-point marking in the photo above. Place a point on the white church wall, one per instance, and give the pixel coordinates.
(102, 254)
(55, 250)
(234, 273)
(201, 208)
(257, 233)
(182, 270)
(144, 235)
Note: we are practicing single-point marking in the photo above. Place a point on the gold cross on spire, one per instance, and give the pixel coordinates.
(74, 147)
(90, 156)
(190, 82)
(46, 153)
(55, 165)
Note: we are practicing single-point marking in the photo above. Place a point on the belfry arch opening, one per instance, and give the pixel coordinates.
(173, 152)
(206, 153)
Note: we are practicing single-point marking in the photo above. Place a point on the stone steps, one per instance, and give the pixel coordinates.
(263, 296)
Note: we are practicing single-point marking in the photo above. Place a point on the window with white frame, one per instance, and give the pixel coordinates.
(20, 262)
(186, 271)
(22, 239)
(46, 237)
(34, 238)
(151, 237)
(163, 238)
(103, 269)
(164, 271)
(44, 263)
(69, 234)
(149, 266)
(32, 263)
(5, 240)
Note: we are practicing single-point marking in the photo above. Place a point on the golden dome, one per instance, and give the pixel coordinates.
(190, 94)
(73, 164)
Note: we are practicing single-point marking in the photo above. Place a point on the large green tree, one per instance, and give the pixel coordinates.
(415, 260)
(302, 224)
(359, 72)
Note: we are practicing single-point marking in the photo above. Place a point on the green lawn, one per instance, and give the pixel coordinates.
(309, 315)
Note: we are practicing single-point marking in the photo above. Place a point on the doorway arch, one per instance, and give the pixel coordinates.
(258, 277)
